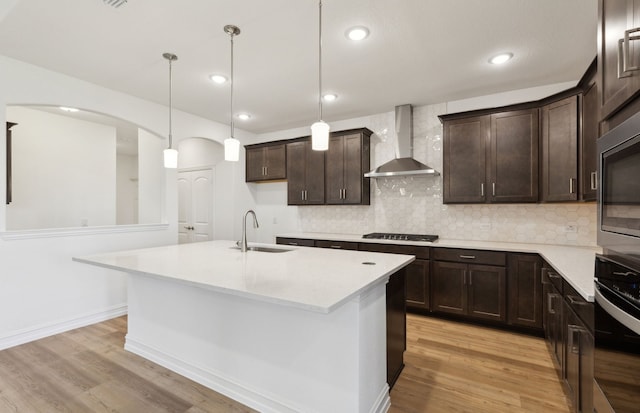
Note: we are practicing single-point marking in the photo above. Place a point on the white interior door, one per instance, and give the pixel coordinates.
(195, 205)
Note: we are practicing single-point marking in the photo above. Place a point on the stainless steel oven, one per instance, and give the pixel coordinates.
(617, 272)
(617, 336)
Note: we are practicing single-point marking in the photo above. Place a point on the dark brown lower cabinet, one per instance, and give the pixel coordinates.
(473, 290)
(396, 325)
(418, 284)
(568, 327)
(525, 290)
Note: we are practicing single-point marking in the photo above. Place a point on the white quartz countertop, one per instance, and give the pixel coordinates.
(575, 264)
(314, 279)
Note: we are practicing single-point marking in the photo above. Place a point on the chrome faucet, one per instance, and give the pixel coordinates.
(243, 241)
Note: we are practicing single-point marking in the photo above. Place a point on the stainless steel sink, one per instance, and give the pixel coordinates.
(264, 249)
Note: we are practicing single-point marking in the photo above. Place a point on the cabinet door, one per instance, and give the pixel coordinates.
(465, 155)
(553, 326)
(588, 137)
(275, 162)
(525, 291)
(418, 284)
(560, 150)
(513, 163)
(314, 176)
(296, 173)
(353, 170)
(335, 170)
(255, 165)
(616, 16)
(487, 292)
(448, 287)
(586, 371)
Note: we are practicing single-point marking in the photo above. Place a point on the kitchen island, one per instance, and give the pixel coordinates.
(296, 331)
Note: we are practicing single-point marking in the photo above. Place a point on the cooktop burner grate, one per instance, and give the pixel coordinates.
(401, 237)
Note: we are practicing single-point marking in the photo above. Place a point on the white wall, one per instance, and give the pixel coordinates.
(150, 172)
(414, 204)
(42, 290)
(126, 189)
(48, 150)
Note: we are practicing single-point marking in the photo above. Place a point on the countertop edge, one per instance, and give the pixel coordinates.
(544, 250)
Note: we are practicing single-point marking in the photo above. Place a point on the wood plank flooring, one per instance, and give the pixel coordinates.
(450, 368)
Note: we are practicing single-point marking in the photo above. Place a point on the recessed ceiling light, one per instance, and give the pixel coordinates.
(357, 33)
(500, 58)
(219, 79)
(329, 97)
(68, 109)
(244, 116)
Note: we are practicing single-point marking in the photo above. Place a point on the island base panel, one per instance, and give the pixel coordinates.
(271, 357)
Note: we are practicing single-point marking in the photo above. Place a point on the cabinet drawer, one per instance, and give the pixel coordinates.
(550, 276)
(583, 309)
(470, 256)
(419, 252)
(339, 245)
(296, 241)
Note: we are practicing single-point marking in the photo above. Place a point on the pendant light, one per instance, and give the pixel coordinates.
(320, 129)
(231, 144)
(170, 154)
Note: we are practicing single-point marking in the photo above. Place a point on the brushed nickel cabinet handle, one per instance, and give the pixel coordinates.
(626, 58)
(594, 180)
(571, 185)
(266, 170)
(467, 257)
(554, 275)
(482, 190)
(575, 301)
(336, 247)
(494, 188)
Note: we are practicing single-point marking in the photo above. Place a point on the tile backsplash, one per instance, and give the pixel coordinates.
(413, 204)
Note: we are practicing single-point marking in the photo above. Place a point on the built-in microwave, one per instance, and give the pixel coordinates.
(619, 190)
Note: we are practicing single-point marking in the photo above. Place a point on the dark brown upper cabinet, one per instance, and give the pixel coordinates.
(305, 173)
(560, 150)
(346, 162)
(265, 162)
(491, 158)
(589, 133)
(8, 187)
(618, 60)
(465, 159)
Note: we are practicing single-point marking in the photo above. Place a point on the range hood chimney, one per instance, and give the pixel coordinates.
(403, 164)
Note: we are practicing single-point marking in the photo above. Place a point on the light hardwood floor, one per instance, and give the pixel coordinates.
(450, 368)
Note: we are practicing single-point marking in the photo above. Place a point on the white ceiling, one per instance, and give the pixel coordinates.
(419, 51)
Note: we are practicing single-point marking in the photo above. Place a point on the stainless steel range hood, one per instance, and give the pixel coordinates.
(403, 164)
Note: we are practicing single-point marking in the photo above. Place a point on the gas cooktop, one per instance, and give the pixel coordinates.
(401, 237)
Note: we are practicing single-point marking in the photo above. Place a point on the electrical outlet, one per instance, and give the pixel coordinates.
(570, 229)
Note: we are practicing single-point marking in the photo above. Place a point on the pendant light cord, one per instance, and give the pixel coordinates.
(232, 82)
(170, 103)
(320, 59)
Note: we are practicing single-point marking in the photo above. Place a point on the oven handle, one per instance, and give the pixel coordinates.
(627, 320)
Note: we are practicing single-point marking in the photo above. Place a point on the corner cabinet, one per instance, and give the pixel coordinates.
(560, 150)
(305, 172)
(491, 158)
(347, 160)
(265, 162)
(618, 60)
(525, 290)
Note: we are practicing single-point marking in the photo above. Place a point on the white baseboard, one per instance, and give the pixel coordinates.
(383, 402)
(45, 330)
(210, 379)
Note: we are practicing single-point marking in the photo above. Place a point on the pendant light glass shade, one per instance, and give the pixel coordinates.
(170, 155)
(320, 136)
(320, 129)
(231, 149)
(231, 144)
(170, 158)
